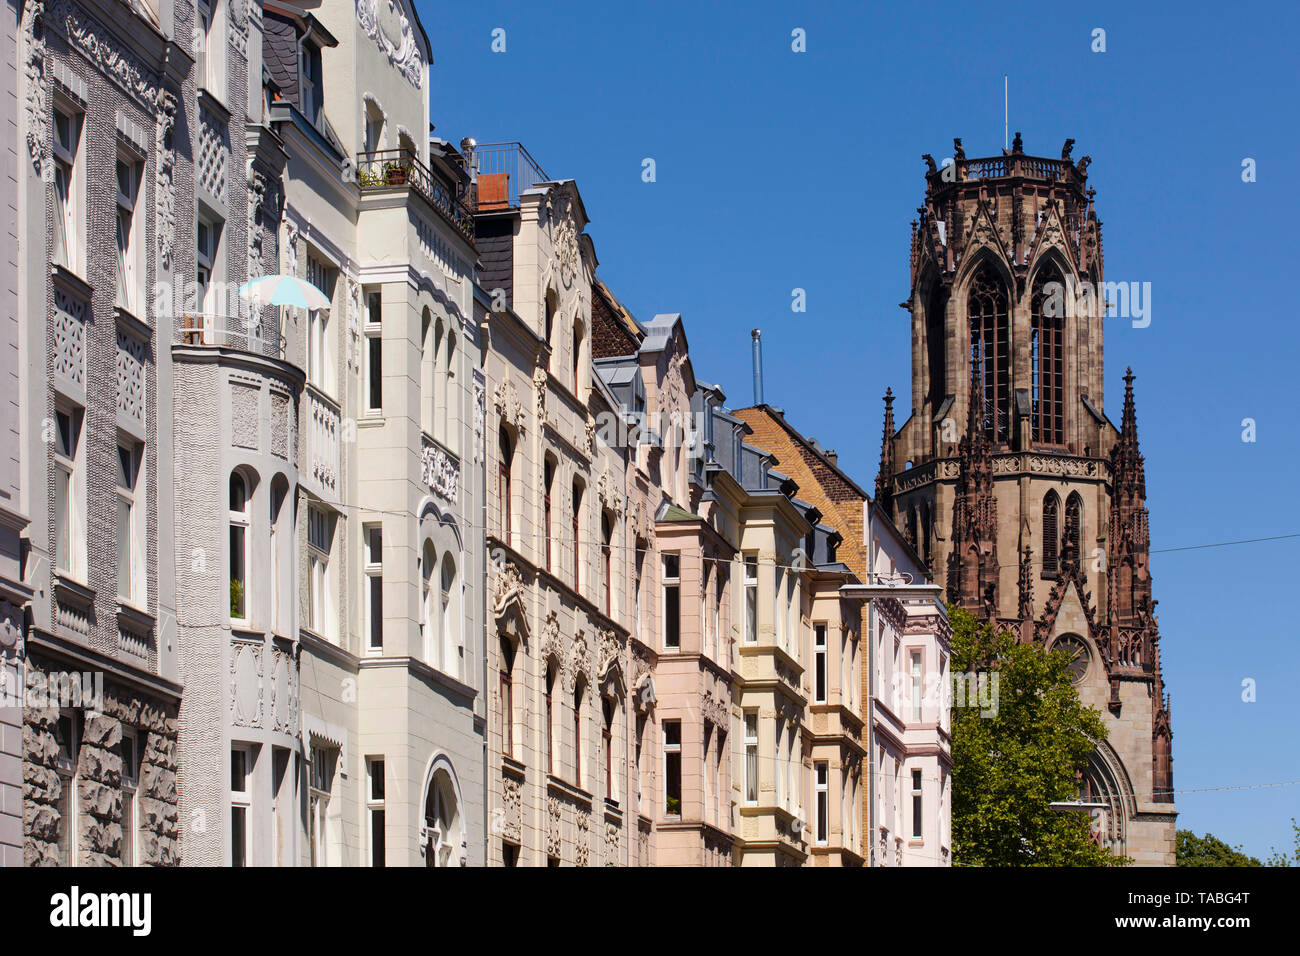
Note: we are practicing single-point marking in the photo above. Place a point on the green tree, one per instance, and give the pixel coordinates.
(1208, 850)
(1278, 858)
(1013, 759)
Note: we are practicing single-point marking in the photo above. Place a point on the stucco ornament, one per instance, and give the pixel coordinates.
(385, 22)
(566, 247)
(38, 123)
(480, 418)
(506, 401)
(509, 583)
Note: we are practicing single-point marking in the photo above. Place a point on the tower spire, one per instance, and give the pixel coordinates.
(885, 476)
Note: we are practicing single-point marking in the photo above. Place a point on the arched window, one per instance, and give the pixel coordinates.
(438, 371)
(935, 342)
(925, 532)
(239, 532)
(609, 707)
(607, 560)
(990, 367)
(550, 325)
(1073, 531)
(551, 671)
(548, 481)
(576, 521)
(442, 822)
(449, 624)
(505, 456)
(450, 406)
(1047, 358)
(579, 693)
(577, 355)
(507, 696)
(913, 537)
(428, 363)
(1051, 541)
(428, 616)
(279, 493)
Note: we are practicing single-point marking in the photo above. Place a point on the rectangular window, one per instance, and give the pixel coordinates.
(312, 96)
(130, 752)
(69, 514)
(672, 594)
(374, 575)
(638, 631)
(548, 479)
(319, 358)
(706, 600)
(822, 805)
(607, 745)
(717, 778)
(68, 235)
(241, 805)
(375, 808)
(320, 791)
(550, 718)
(751, 756)
(778, 617)
(673, 768)
(577, 738)
(130, 550)
(129, 270)
(320, 538)
(282, 806)
(751, 598)
(640, 744)
(374, 352)
(507, 699)
(67, 739)
(819, 663)
(207, 243)
(916, 685)
(780, 764)
(577, 539)
(916, 805)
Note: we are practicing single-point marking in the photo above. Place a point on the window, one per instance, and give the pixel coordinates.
(550, 326)
(608, 710)
(279, 492)
(989, 361)
(550, 717)
(451, 646)
(312, 91)
(130, 752)
(510, 854)
(577, 535)
(241, 805)
(577, 734)
(239, 530)
(638, 631)
(821, 806)
(129, 536)
(640, 746)
(1051, 506)
(207, 240)
(706, 604)
(319, 366)
(672, 592)
(67, 739)
(68, 235)
(751, 598)
(429, 639)
(505, 459)
(211, 37)
(507, 697)
(284, 806)
(795, 644)
(780, 763)
(374, 575)
(1047, 361)
(751, 756)
(1073, 531)
(320, 822)
(673, 768)
(819, 663)
(706, 754)
(374, 352)
(717, 778)
(449, 407)
(607, 561)
(577, 353)
(916, 805)
(548, 479)
(69, 499)
(916, 685)
(778, 617)
(130, 272)
(374, 131)
(320, 538)
(375, 809)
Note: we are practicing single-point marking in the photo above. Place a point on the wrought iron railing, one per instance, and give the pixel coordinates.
(396, 168)
(230, 331)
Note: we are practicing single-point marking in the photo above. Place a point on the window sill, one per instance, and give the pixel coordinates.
(211, 101)
(72, 592)
(134, 616)
(135, 325)
(71, 282)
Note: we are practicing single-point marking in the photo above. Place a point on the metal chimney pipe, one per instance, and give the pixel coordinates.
(758, 366)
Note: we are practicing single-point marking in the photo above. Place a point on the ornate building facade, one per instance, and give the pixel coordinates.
(1022, 496)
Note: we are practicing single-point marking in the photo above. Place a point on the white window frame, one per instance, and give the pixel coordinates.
(322, 772)
(69, 236)
(778, 595)
(681, 768)
(820, 671)
(130, 800)
(372, 538)
(242, 800)
(821, 803)
(667, 581)
(129, 493)
(751, 758)
(918, 806)
(242, 520)
(374, 340)
(452, 643)
(320, 365)
(320, 542)
(750, 598)
(130, 279)
(208, 231)
(916, 674)
(706, 596)
(68, 454)
(374, 805)
(779, 761)
(68, 770)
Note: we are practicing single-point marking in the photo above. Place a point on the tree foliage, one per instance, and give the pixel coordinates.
(1208, 850)
(1278, 858)
(1011, 765)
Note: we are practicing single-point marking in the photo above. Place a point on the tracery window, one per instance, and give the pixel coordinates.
(1051, 559)
(989, 352)
(1047, 360)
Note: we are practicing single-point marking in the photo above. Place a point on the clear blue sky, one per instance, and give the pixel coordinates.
(778, 170)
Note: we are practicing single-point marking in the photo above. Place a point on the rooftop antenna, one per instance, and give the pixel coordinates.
(758, 366)
(1006, 124)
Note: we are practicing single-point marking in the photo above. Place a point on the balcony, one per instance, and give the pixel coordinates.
(504, 170)
(231, 332)
(399, 169)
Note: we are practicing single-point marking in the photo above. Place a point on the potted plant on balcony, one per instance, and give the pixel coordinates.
(394, 173)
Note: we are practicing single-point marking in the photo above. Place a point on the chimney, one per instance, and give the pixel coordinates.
(833, 457)
(758, 366)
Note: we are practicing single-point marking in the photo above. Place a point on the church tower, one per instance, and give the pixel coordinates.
(1025, 500)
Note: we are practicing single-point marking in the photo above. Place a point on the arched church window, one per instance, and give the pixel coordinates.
(1047, 362)
(1051, 541)
(935, 340)
(990, 366)
(1070, 537)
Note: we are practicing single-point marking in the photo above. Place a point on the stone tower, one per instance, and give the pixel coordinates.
(1026, 501)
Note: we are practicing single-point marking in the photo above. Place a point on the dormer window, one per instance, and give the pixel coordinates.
(313, 94)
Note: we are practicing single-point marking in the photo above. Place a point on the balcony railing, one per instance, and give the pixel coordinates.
(1012, 164)
(396, 168)
(229, 331)
(504, 170)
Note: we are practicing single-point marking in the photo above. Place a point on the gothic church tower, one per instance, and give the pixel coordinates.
(1026, 501)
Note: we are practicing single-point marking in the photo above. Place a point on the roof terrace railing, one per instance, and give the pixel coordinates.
(504, 171)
